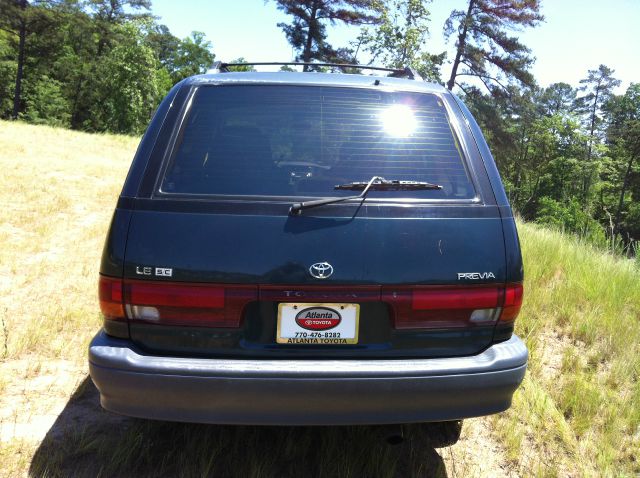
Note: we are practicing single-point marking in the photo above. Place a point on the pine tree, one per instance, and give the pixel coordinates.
(108, 13)
(623, 138)
(558, 98)
(598, 89)
(484, 48)
(307, 33)
(108, 16)
(22, 19)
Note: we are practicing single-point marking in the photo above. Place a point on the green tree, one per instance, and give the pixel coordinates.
(307, 32)
(545, 159)
(537, 151)
(83, 63)
(484, 48)
(164, 44)
(46, 102)
(7, 74)
(399, 40)
(558, 98)
(623, 136)
(22, 19)
(570, 217)
(598, 89)
(242, 67)
(97, 31)
(107, 13)
(75, 63)
(178, 59)
(126, 91)
(192, 57)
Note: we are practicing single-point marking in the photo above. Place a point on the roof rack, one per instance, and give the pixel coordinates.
(407, 72)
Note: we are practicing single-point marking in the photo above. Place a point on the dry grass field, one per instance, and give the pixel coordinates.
(578, 413)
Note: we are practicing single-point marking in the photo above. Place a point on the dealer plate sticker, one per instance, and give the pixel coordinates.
(311, 323)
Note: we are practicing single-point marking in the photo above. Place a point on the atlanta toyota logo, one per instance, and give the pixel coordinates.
(321, 270)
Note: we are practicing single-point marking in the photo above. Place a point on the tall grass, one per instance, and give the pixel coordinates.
(579, 408)
(57, 193)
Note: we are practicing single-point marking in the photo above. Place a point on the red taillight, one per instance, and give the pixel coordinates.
(445, 307)
(187, 304)
(456, 298)
(175, 303)
(110, 295)
(193, 296)
(512, 302)
(222, 305)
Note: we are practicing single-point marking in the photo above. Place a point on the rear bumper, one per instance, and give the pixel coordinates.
(304, 392)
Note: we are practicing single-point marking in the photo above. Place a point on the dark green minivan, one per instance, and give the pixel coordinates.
(310, 249)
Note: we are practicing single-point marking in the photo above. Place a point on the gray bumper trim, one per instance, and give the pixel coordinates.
(304, 392)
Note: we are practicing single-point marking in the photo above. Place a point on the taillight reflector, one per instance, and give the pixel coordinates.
(512, 302)
(110, 295)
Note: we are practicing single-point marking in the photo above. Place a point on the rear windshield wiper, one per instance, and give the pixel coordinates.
(383, 184)
(377, 182)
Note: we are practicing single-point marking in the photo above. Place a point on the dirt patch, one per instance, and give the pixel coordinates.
(550, 353)
(35, 391)
(477, 454)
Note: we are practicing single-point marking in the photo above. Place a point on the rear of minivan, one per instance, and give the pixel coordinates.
(243, 282)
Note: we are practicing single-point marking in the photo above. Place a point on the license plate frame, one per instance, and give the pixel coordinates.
(320, 329)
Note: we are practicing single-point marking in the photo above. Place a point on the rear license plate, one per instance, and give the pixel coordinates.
(326, 324)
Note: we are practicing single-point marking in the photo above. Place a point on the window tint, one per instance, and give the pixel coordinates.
(302, 141)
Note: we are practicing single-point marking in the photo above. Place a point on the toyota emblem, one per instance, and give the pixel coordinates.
(321, 270)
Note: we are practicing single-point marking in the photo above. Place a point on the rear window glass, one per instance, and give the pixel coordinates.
(303, 141)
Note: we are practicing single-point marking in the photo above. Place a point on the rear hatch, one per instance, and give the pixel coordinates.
(216, 265)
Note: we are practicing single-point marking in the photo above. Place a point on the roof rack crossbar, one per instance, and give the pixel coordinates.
(407, 72)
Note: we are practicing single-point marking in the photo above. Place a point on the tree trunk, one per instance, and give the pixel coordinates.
(408, 24)
(462, 38)
(110, 19)
(306, 53)
(21, 47)
(625, 182)
(75, 110)
(592, 129)
(524, 148)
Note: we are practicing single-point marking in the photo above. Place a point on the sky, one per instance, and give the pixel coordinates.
(577, 35)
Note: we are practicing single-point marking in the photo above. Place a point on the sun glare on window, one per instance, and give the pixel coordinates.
(398, 121)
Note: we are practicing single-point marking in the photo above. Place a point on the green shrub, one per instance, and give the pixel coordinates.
(45, 102)
(570, 217)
